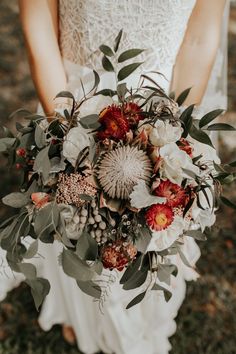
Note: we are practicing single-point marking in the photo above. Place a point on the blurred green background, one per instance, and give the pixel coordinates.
(207, 319)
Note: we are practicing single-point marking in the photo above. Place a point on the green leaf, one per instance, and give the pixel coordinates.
(66, 94)
(16, 200)
(117, 40)
(128, 54)
(106, 92)
(106, 50)
(90, 288)
(40, 138)
(207, 118)
(6, 143)
(167, 293)
(221, 126)
(228, 202)
(28, 269)
(40, 288)
(164, 273)
(182, 97)
(232, 164)
(87, 247)
(136, 280)
(136, 300)
(32, 250)
(127, 70)
(75, 267)
(46, 221)
(200, 136)
(196, 234)
(184, 259)
(131, 269)
(122, 90)
(143, 240)
(42, 163)
(90, 121)
(107, 65)
(186, 114)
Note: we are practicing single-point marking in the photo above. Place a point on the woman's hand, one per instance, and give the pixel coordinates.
(40, 26)
(198, 50)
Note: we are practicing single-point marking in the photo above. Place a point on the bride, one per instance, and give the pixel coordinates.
(181, 38)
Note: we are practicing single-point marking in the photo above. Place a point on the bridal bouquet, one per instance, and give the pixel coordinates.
(121, 188)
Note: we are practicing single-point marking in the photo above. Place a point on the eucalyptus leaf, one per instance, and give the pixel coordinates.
(75, 267)
(107, 65)
(90, 288)
(16, 200)
(131, 269)
(28, 269)
(122, 90)
(40, 288)
(106, 50)
(90, 121)
(40, 138)
(87, 247)
(182, 97)
(207, 118)
(136, 280)
(196, 234)
(136, 300)
(42, 163)
(6, 143)
(127, 70)
(32, 250)
(167, 293)
(143, 240)
(128, 54)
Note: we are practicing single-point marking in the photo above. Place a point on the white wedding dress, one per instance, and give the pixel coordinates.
(158, 26)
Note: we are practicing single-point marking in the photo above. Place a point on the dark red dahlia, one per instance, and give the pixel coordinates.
(133, 113)
(174, 194)
(118, 254)
(114, 124)
(185, 146)
(159, 217)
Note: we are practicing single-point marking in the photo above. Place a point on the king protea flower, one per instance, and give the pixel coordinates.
(159, 217)
(121, 169)
(114, 124)
(175, 195)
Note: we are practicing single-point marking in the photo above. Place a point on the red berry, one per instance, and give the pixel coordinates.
(18, 166)
(21, 152)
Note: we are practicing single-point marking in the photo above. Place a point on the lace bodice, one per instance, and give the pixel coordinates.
(156, 25)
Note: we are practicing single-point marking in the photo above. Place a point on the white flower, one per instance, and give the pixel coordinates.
(68, 225)
(142, 198)
(208, 153)
(205, 218)
(174, 161)
(76, 140)
(165, 238)
(164, 132)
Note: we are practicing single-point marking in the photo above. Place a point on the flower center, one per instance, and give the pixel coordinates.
(161, 219)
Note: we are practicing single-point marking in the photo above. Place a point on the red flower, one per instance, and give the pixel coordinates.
(174, 194)
(185, 146)
(118, 254)
(21, 152)
(40, 199)
(133, 113)
(114, 124)
(159, 216)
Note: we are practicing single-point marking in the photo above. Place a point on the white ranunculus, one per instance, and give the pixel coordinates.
(141, 196)
(174, 161)
(76, 140)
(68, 225)
(163, 239)
(164, 133)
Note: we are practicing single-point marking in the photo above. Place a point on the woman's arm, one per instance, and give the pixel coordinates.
(40, 26)
(198, 51)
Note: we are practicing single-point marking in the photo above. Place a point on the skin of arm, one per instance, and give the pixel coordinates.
(40, 27)
(198, 50)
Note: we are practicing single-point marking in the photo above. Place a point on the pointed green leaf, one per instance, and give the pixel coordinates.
(221, 126)
(167, 293)
(106, 50)
(87, 247)
(127, 70)
(228, 202)
(207, 118)
(197, 234)
(136, 281)
(128, 54)
(16, 200)
(106, 92)
(90, 288)
(107, 65)
(75, 267)
(200, 136)
(182, 97)
(136, 300)
(117, 40)
(39, 289)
